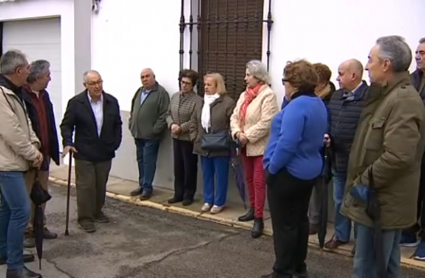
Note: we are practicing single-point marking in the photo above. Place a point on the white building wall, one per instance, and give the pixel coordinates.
(330, 31)
(127, 37)
(130, 35)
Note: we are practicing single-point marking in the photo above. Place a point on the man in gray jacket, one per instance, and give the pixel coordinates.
(18, 152)
(147, 124)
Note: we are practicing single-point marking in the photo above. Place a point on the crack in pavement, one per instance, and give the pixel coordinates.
(177, 252)
(59, 269)
(188, 249)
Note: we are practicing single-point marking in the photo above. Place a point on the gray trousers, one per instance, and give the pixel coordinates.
(91, 179)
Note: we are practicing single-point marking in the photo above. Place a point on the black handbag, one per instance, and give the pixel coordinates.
(215, 141)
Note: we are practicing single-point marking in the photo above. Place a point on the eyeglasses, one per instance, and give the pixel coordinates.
(95, 83)
(284, 80)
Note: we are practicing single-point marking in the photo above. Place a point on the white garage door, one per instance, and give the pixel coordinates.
(39, 39)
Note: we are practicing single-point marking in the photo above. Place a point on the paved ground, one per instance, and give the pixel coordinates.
(143, 242)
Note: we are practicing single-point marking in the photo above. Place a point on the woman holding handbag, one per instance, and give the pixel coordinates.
(250, 124)
(210, 133)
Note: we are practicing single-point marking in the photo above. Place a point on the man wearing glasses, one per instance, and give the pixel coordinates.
(95, 117)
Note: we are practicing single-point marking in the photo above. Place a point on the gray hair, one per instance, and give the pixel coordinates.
(38, 69)
(89, 72)
(258, 70)
(11, 60)
(422, 40)
(395, 49)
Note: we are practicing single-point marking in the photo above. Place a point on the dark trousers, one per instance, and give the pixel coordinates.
(185, 170)
(147, 155)
(288, 199)
(419, 227)
(91, 179)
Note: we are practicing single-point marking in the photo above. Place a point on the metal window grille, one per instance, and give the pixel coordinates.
(226, 35)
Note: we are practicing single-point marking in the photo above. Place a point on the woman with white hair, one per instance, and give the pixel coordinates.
(250, 124)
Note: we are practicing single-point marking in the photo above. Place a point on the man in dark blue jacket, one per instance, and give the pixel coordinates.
(40, 112)
(409, 236)
(95, 117)
(344, 108)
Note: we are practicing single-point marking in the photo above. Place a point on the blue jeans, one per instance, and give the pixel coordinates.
(15, 211)
(342, 223)
(364, 262)
(212, 167)
(147, 154)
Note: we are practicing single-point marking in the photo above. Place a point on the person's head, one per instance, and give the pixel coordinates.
(93, 83)
(299, 77)
(324, 73)
(350, 74)
(214, 84)
(14, 66)
(39, 76)
(188, 80)
(420, 55)
(148, 78)
(256, 73)
(390, 55)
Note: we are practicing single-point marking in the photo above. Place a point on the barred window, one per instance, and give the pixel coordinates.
(229, 34)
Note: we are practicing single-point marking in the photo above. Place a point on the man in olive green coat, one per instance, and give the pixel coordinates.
(389, 139)
(147, 124)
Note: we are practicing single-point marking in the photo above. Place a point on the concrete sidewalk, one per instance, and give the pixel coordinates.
(119, 189)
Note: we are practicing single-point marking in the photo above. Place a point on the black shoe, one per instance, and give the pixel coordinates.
(145, 196)
(101, 218)
(87, 226)
(257, 229)
(174, 200)
(28, 258)
(247, 216)
(22, 273)
(136, 192)
(48, 234)
(187, 202)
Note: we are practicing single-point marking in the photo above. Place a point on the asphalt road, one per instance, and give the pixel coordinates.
(143, 242)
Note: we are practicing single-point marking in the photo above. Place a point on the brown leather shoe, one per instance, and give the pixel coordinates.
(313, 229)
(334, 243)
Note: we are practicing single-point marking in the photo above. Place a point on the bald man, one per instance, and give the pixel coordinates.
(345, 108)
(95, 117)
(147, 124)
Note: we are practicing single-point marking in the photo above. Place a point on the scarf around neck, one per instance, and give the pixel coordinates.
(206, 110)
(250, 95)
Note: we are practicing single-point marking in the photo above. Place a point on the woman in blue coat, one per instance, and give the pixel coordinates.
(293, 162)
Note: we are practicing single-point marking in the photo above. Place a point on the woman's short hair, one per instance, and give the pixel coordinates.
(191, 74)
(301, 75)
(324, 72)
(219, 82)
(258, 70)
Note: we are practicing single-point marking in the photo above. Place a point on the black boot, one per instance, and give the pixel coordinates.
(257, 229)
(22, 273)
(247, 216)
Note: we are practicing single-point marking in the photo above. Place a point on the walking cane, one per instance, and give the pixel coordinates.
(68, 196)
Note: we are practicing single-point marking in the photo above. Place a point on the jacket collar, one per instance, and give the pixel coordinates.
(83, 97)
(399, 78)
(10, 86)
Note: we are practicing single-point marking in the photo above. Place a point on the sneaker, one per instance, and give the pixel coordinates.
(216, 209)
(206, 207)
(409, 241)
(420, 252)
